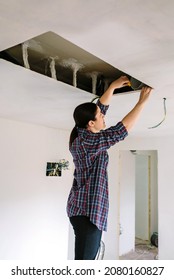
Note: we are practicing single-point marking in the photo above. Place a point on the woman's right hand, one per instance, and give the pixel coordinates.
(120, 82)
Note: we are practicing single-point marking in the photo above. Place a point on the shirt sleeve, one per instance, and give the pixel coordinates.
(103, 140)
(102, 107)
(113, 134)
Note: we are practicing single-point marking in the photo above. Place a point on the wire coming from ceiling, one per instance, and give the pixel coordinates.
(165, 113)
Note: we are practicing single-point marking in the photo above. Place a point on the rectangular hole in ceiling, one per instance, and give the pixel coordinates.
(51, 55)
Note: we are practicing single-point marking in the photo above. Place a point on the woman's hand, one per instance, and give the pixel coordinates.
(130, 119)
(120, 82)
(144, 94)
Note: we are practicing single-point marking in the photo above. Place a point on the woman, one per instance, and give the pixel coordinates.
(87, 206)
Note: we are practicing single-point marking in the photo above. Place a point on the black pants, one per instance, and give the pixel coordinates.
(87, 238)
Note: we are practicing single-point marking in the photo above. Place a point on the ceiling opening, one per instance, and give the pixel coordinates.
(51, 55)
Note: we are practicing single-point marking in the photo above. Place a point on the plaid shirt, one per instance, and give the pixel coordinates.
(89, 192)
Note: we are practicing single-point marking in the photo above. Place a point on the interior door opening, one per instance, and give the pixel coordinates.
(138, 211)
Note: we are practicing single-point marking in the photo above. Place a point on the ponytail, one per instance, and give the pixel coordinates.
(73, 135)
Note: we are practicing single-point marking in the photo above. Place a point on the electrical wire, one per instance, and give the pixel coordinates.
(165, 113)
(95, 99)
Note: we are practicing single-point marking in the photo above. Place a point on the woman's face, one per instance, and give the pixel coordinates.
(99, 122)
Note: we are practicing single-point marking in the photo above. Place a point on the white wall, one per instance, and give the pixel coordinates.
(127, 202)
(165, 150)
(123, 181)
(142, 192)
(32, 206)
(146, 169)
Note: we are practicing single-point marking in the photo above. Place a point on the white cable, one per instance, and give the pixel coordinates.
(165, 113)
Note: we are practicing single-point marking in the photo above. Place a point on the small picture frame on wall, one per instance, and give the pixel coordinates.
(53, 169)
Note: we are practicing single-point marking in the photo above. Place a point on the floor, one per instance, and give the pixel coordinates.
(143, 251)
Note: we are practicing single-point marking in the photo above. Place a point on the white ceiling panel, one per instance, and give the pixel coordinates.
(134, 36)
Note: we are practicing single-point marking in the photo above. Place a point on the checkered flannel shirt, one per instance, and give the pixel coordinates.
(89, 193)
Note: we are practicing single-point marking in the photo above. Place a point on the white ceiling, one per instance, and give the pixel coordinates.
(135, 36)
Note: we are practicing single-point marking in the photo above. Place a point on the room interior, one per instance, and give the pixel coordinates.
(36, 114)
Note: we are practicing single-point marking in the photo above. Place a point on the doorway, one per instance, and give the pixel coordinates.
(138, 199)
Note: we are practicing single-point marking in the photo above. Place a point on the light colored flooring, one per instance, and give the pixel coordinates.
(143, 251)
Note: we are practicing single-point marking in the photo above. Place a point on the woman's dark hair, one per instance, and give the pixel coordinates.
(83, 113)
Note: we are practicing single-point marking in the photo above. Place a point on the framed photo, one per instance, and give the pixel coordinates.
(53, 169)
